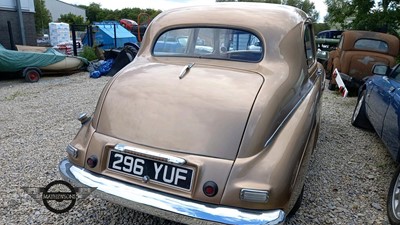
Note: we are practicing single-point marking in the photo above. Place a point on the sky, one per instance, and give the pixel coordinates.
(168, 4)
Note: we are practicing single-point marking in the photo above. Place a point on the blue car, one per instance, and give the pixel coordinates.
(378, 108)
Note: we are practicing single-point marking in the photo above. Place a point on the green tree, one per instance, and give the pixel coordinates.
(365, 15)
(95, 13)
(339, 13)
(42, 17)
(318, 27)
(71, 19)
(265, 1)
(306, 5)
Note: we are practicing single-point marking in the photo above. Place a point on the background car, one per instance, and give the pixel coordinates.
(330, 34)
(357, 52)
(128, 24)
(221, 135)
(327, 41)
(378, 108)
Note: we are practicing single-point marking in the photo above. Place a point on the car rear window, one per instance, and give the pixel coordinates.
(371, 44)
(205, 42)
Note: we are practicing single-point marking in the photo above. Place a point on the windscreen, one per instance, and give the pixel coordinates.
(215, 43)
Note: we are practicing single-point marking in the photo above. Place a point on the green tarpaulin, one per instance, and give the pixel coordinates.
(12, 61)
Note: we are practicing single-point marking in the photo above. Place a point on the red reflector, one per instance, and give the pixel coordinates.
(210, 188)
(92, 161)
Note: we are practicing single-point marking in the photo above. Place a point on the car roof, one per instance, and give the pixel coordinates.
(254, 16)
(351, 36)
(280, 28)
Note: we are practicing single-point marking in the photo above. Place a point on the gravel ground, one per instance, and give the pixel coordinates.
(347, 181)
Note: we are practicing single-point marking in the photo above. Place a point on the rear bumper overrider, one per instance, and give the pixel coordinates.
(164, 205)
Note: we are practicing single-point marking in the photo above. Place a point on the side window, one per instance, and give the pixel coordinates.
(396, 74)
(309, 44)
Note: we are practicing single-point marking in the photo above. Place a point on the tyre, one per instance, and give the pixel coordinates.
(329, 73)
(359, 118)
(31, 74)
(131, 52)
(393, 199)
(331, 87)
(297, 204)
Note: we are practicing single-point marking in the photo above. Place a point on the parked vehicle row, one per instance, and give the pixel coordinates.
(378, 109)
(365, 60)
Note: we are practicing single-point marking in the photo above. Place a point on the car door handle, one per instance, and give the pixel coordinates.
(391, 89)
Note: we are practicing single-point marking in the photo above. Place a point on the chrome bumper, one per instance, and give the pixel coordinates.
(164, 205)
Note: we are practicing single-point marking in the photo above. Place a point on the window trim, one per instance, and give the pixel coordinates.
(308, 27)
(199, 56)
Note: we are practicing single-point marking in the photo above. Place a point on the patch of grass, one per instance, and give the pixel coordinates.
(13, 96)
(88, 53)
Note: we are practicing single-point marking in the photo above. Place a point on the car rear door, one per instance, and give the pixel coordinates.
(391, 124)
(378, 100)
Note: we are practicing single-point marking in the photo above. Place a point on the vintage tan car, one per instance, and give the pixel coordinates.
(216, 128)
(357, 53)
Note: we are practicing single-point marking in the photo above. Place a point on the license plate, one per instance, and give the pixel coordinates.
(164, 173)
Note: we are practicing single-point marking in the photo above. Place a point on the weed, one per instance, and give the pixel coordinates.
(13, 96)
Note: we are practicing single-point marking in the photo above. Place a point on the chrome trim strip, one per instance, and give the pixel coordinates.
(287, 117)
(149, 154)
(165, 205)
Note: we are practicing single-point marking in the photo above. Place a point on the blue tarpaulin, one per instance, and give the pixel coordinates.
(110, 34)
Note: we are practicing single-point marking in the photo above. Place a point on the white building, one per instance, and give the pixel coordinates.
(58, 8)
(10, 5)
(21, 29)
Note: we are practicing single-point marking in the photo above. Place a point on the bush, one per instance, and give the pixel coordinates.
(88, 53)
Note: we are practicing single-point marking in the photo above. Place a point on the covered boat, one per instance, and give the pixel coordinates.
(32, 61)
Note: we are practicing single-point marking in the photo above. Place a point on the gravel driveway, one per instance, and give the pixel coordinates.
(347, 181)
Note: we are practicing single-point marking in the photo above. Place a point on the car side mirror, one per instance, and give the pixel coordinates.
(380, 69)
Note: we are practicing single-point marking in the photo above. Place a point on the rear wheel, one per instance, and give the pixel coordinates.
(331, 87)
(131, 52)
(31, 74)
(393, 199)
(359, 118)
(329, 73)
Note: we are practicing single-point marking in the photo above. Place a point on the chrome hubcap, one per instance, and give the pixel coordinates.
(396, 198)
